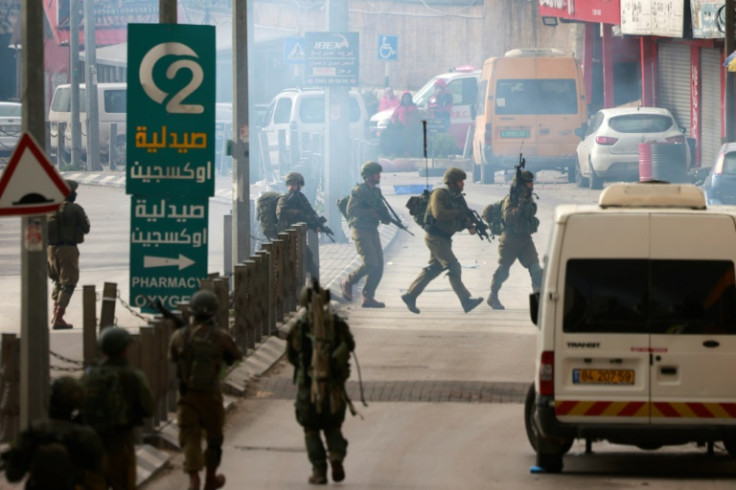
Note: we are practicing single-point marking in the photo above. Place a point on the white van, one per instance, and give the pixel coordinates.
(111, 101)
(303, 110)
(637, 324)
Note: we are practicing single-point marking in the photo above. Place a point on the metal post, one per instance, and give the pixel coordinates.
(167, 13)
(730, 46)
(74, 70)
(34, 377)
(242, 38)
(93, 120)
(89, 321)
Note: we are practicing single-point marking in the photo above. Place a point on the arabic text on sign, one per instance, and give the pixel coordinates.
(181, 237)
(162, 210)
(161, 172)
(158, 140)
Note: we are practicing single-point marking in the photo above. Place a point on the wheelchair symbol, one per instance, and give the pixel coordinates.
(386, 49)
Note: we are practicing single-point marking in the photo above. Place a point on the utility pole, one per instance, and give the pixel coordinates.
(74, 70)
(730, 46)
(34, 330)
(93, 120)
(337, 128)
(167, 13)
(242, 39)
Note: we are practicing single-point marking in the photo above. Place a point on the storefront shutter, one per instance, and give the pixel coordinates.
(710, 99)
(673, 81)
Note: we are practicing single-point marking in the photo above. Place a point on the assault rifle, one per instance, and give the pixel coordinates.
(395, 217)
(481, 228)
(515, 189)
(168, 314)
(314, 221)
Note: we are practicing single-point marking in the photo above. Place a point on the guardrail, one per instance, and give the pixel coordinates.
(265, 293)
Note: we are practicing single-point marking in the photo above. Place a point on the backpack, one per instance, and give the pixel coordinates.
(418, 205)
(201, 362)
(493, 215)
(52, 467)
(105, 405)
(342, 205)
(266, 206)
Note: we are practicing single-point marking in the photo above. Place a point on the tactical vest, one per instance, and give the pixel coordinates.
(63, 228)
(200, 362)
(105, 406)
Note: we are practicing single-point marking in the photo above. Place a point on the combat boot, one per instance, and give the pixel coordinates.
(347, 289)
(411, 302)
(471, 303)
(494, 302)
(58, 323)
(372, 303)
(213, 481)
(338, 472)
(319, 475)
(194, 482)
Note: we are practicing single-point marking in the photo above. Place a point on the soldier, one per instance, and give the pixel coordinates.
(519, 214)
(319, 346)
(117, 400)
(199, 350)
(447, 213)
(58, 452)
(365, 210)
(66, 229)
(293, 208)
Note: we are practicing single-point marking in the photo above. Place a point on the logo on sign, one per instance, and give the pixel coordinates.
(342, 42)
(184, 60)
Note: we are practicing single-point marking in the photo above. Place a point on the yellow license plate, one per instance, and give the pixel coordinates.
(603, 376)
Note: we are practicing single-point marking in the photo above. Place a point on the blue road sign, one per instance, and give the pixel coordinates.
(294, 51)
(388, 48)
(332, 59)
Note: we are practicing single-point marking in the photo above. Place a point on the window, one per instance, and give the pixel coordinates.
(650, 296)
(641, 123)
(729, 164)
(62, 100)
(464, 91)
(114, 101)
(536, 96)
(312, 110)
(282, 114)
(10, 110)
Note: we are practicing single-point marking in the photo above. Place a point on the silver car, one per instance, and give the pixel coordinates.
(11, 126)
(610, 149)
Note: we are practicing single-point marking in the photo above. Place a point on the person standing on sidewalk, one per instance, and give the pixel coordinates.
(318, 345)
(66, 229)
(520, 222)
(447, 213)
(365, 210)
(199, 350)
(117, 399)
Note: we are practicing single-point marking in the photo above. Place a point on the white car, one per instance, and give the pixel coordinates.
(610, 149)
(11, 126)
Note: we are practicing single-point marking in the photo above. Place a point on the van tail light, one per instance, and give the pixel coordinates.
(676, 139)
(547, 374)
(489, 135)
(605, 140)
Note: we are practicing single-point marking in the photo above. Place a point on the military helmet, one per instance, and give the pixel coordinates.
(113, 340)
(294, 178)
(524, 175)
(204, 304)
(370, 168)
(454, 174)
(72, 184)
(66, 394)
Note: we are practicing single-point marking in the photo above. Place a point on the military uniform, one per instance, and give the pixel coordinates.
(447, 214)
(294, 208)
(57, 453)
(365, 210)
(119, 440)
(327, 415)
(66, 229)
(520, 222)
(199, 351)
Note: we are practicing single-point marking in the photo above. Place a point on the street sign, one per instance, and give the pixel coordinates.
(171, 110)
(388, 48)
(168, 249)
(332, 59)
(294, 51)
(30, 184)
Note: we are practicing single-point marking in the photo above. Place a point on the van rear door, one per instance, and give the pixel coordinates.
(601, 365)
(693, 319)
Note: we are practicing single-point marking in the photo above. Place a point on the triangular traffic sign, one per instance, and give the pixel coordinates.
(30, 184)
(297, 53)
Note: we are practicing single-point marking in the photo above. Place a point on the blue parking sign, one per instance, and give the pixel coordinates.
(388, 48)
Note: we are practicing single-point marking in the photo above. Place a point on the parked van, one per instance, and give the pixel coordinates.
(303, 110)
(111, 102)
(637, 324)
(530, 101)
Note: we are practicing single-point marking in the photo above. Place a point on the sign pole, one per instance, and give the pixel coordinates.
(730, 96)
(34, 353)
(93, 120)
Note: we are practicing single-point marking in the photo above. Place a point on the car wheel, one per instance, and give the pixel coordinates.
(532, 433)
(550, 463)
(595, 181)
(572, 173)
(580, 181)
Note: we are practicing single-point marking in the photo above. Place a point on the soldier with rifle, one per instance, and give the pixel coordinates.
(293, 207)
(520, 222)
(447, 213)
